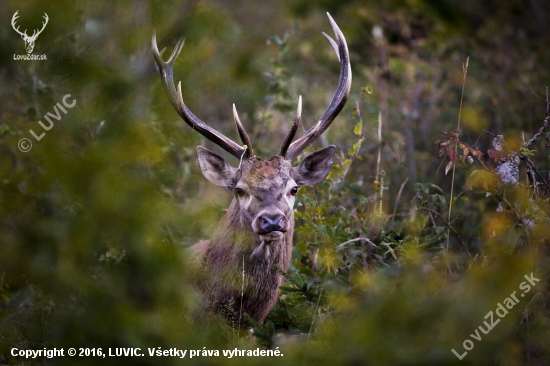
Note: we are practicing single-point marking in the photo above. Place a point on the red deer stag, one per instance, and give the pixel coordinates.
(256, 233)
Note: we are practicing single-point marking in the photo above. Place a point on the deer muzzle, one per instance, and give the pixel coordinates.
(270, 224)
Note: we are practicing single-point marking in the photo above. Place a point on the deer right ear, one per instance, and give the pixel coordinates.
(215, 168)
(315, 168)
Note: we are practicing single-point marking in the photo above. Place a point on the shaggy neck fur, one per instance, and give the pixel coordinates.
(234, 242)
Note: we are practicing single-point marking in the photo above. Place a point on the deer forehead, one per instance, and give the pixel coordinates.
(272, 174)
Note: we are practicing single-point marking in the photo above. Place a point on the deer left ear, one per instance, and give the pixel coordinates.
(215, 168)
(315, 168)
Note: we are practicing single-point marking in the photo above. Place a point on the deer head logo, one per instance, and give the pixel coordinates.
(29, 40)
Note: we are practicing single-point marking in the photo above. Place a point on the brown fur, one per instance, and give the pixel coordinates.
(239, 260)
(224, 255)
(235, 244)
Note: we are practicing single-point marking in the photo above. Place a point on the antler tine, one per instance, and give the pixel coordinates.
(44, 23)
(13, 20)
(338, 100)
(333, 44)
(166, 70)
(242, 133)
(37, 32)
(290, 136)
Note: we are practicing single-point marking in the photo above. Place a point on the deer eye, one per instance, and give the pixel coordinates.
(239, 191)
(294, 191)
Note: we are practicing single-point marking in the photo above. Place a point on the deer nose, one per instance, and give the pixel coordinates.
(270, 223)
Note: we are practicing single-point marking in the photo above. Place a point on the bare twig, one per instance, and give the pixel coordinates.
(354, 156)
(544, 124)
(391, 250)
(482, 133)
(432, 219)
(316, 309)
(358, 110)
(437, 188)
(531, 166)
(358, 239)
(380, 174)
(449, 227)
(464, 72)
(398, 197)
(379, 144)
(530, 88)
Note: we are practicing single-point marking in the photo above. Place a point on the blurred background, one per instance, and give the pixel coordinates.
(95, 219)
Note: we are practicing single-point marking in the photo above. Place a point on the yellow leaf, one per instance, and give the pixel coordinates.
(358, 128)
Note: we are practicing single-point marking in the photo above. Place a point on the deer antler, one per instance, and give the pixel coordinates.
(166, 70)
(36, 33)
(24, 34)
(290, 136)
(288, 150)
(13, 19)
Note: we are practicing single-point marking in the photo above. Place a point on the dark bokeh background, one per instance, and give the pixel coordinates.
(96, 218)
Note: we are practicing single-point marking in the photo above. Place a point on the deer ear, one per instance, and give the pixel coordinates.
(315, 168)
(215, 168)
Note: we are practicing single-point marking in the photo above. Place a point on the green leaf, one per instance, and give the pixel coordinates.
(354, 149)
(527, 152)
(4, 129)
(358, 128)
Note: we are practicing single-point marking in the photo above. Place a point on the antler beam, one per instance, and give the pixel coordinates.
(338, 100)
(288, 149)
(37, 32)
(166, 70)
(13, 22)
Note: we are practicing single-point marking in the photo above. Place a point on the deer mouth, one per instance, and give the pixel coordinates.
(272, 236)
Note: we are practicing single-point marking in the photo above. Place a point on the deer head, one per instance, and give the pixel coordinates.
(29, 40)
(257, 230)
